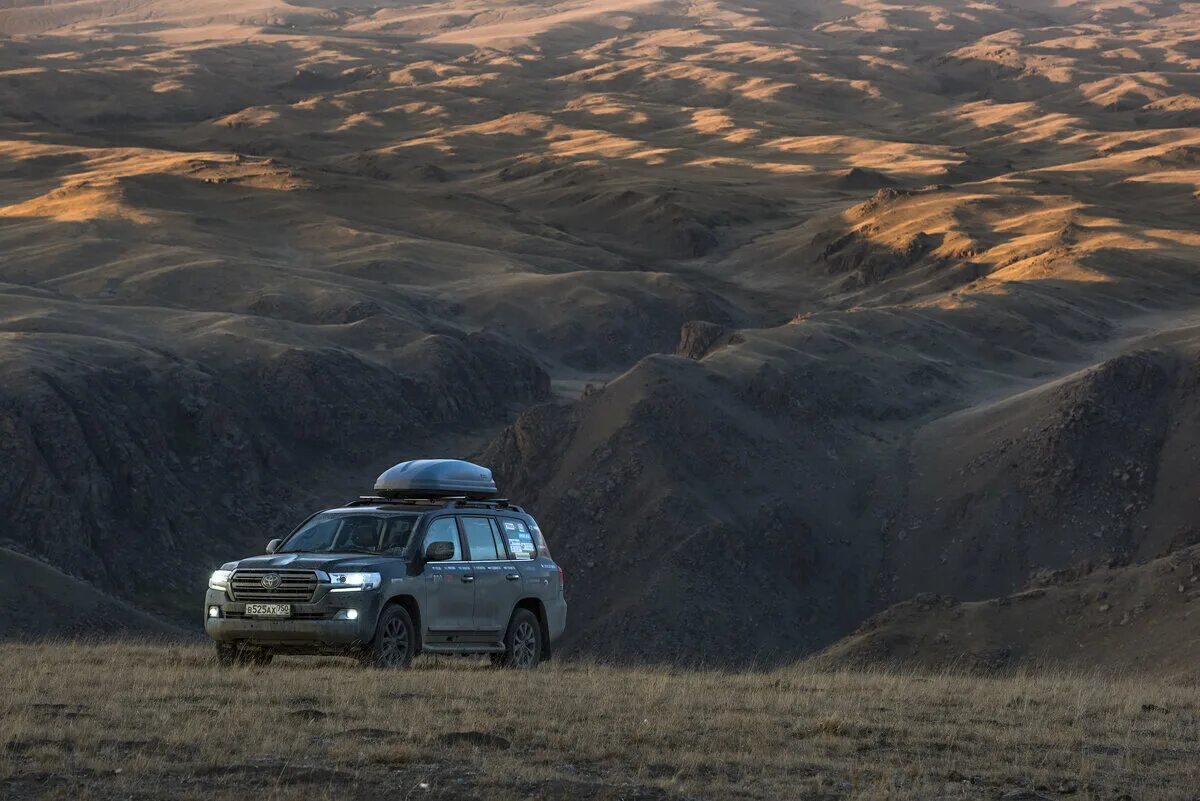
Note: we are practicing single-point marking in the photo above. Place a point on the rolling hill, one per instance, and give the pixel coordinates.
(774, 314)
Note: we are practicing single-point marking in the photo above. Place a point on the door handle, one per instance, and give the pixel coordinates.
(467, 579)
(512, 577)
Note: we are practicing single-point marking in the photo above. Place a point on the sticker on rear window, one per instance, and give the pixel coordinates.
(522, 545)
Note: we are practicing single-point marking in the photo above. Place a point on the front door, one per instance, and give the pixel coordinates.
(450, 585)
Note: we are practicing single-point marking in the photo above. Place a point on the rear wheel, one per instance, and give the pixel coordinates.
(395, 640)
(522, 642)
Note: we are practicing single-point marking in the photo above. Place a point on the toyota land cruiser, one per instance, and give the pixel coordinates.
(412, 568)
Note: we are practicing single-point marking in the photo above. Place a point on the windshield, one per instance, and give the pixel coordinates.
(352, 532)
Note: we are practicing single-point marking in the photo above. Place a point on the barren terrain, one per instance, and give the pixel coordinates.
(138, 722)
(773, 313)
(1134, 620)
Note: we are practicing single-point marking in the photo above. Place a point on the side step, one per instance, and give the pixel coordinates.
(464, 648)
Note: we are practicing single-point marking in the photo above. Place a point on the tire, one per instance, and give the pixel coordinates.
(227, 654)
(522, 642)
(256, 658)
(395, 640)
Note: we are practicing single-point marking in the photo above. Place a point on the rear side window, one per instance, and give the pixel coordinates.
(520, 540)
(499, 540)
(480, 541)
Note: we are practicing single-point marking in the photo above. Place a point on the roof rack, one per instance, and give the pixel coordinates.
(452, 501)
(489, 503)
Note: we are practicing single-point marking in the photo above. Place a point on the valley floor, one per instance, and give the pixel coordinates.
(151, 722)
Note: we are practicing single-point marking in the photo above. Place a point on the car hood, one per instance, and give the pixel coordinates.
(329, 562)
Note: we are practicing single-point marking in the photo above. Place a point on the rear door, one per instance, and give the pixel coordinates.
(522, 545)
(449, 585)
(498, 584)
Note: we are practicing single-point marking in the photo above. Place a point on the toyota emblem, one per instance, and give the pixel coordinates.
(271, 581)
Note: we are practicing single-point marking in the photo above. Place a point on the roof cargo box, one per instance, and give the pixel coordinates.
(435, 478)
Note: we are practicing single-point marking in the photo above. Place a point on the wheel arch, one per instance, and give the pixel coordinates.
(413, 608)
(538, 608)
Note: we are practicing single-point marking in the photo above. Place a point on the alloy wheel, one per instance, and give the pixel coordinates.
(524, 648)
(393, 646)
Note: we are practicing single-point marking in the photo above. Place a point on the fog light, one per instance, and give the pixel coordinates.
(214, 611)
(347, 614)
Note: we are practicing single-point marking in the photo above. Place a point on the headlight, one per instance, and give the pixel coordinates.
(347, 582)
(219, 580)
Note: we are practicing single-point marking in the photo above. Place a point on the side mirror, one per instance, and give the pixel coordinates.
(273, 545)
(439, 551)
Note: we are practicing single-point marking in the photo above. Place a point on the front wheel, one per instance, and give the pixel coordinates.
(394, 643)
(255, 657)
(522, 642)
(229, 654)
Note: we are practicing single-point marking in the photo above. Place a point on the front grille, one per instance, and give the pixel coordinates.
(296, 586)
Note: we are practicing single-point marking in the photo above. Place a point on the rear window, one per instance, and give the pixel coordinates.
(519, 538)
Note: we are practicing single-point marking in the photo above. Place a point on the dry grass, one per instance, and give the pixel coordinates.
(140, 721)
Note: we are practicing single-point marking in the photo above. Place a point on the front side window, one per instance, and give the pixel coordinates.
(444, 529)
(480, 541)
(352, 532)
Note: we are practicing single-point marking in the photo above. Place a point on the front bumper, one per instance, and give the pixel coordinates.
(312, 626)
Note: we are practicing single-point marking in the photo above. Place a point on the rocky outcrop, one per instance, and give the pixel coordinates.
(698, 337)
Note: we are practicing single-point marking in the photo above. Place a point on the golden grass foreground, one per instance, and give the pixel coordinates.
(137, 721)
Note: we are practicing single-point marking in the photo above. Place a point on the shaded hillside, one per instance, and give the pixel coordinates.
(1095, 464)
(1141, 619)
(690, 495)
(141, 470)
(36, 599)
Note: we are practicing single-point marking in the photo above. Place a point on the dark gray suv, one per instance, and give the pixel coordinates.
(385, 578)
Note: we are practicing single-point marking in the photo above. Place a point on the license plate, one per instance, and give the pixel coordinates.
(268, 610)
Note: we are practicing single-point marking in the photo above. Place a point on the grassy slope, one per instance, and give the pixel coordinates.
(144, 722)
